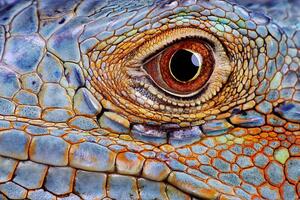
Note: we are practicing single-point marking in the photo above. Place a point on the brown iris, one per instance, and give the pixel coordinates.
(183, 68)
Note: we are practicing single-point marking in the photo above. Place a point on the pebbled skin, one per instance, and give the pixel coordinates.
(65, 132)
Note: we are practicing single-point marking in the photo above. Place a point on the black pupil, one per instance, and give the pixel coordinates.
(184, 65)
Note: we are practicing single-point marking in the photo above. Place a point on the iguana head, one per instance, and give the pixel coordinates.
(149, 100)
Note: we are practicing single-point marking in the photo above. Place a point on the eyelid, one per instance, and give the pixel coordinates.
(158, 43)
(154, 55)
(135, 60)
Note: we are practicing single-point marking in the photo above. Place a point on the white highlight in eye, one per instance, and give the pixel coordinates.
(196, 59)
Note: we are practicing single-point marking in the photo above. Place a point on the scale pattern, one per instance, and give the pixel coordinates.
(71, 127)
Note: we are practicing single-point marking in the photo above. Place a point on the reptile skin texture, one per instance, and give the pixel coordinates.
(81, 116)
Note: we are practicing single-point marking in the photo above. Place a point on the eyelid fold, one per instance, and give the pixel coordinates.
(157, 44)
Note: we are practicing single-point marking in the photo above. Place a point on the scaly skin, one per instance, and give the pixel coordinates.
(79, 121)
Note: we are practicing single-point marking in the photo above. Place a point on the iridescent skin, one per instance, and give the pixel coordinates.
(79, 121)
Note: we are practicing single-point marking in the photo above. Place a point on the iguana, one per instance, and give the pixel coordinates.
(149, 99)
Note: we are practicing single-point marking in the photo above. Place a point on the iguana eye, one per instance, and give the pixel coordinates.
(182, 63)
(183, 68)
(170, 75)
